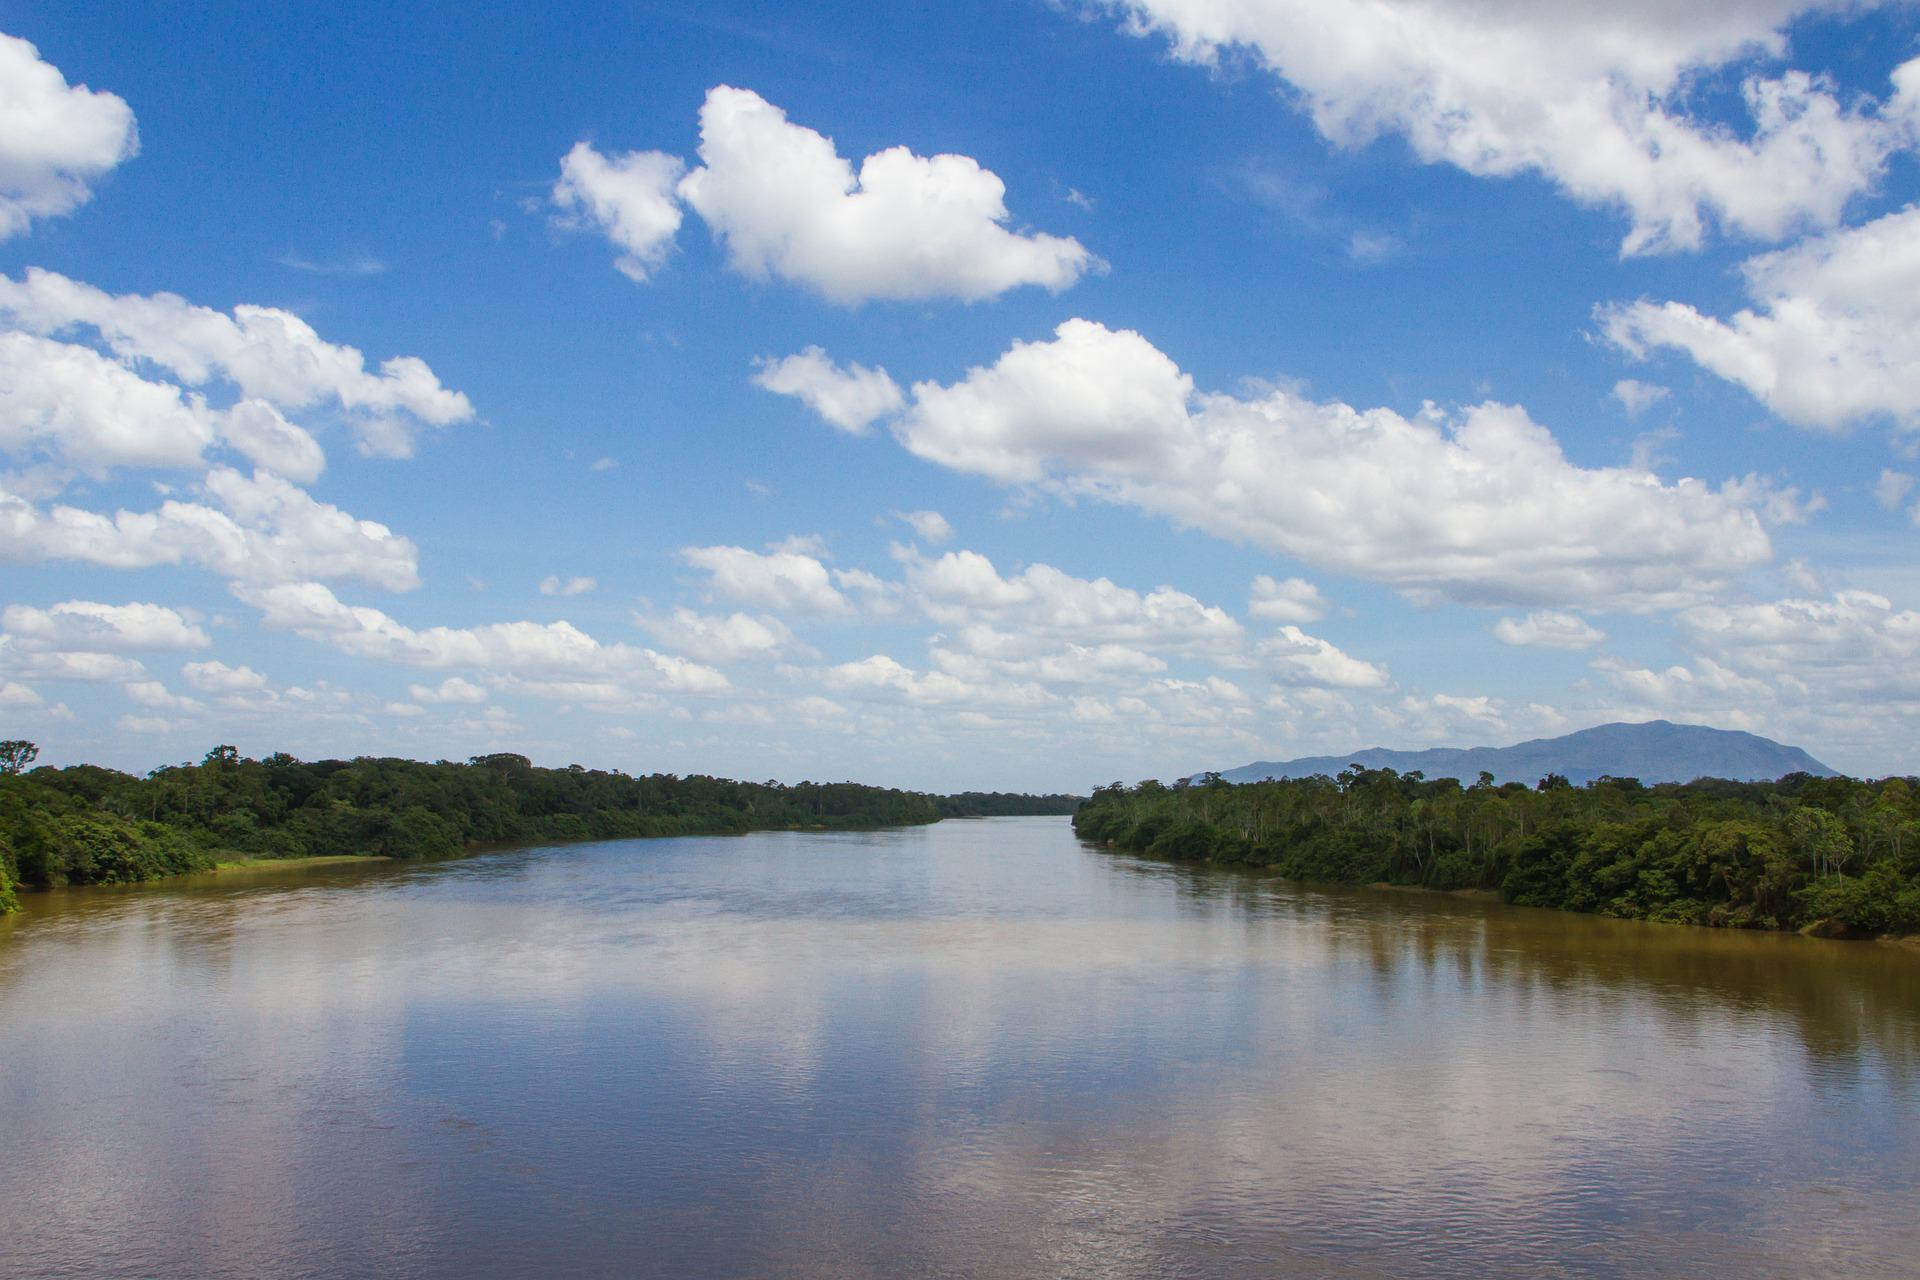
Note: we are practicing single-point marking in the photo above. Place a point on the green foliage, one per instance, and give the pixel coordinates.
(16, 754)
(88, 825)
(1004, 804)
(1835, 853)
(100, 848)
(1880, 900)
(9, 877)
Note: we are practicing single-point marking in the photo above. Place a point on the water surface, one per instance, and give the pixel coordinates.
(975, 1049)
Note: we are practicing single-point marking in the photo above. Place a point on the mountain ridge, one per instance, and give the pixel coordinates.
(1652, 751)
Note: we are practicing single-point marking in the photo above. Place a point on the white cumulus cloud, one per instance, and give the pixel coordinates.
(451, 690)
(1596, 98)
(850, 398)
(87, 666)
(1289, 600)
(73, 405)
(929, 525)
(1298, 658)
(87, 624)
(1481, 506)
(963, 589)
(260, 529)
(1833, 335)
(735, 637)
(55, 138)
(265, 353)
(1548, 629)
(784, 203)
(1856, 644)
(220, 680)
(538, 654)
(263, 435)
(630, 198)
(782, 579)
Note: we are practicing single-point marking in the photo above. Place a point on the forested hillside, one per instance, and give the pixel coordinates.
(88, 825)
(1834, 852)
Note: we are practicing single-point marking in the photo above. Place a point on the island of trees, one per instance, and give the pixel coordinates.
(1834, 855)
(87, 825)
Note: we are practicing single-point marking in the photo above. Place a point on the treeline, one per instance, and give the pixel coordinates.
(1836, 853)
(87, 825)
(1004, 804)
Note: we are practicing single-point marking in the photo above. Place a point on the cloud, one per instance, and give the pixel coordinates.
(220, 680)
(784, 203)
(1371, 248)
(1638, 397)
(1294, 600)
(1032, 652)
(363, 265)
(1547, 629)
(1091, 391)
(1594, 98)
(451, 690)
(76, 408)
(55, 138)
(986, 656)
(881, 677)
(737, 637)
(1841, 670)
(630, 198)
(1892, 488)
(87, 666)
(552, 585)
(1478, 507)
(963, 589)
(85, 624)
(1446, 717)
(18, 696)
(1832, 338)
(536, 653)
(1298, 658)
(263, 352)
(263, 435)
(263, 529)
(850, 399)
(1855, 644)
(931, 526)
(784, 579)
(155, 696)
(288, 535)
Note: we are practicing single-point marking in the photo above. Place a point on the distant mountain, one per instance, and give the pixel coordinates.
(1657, 751)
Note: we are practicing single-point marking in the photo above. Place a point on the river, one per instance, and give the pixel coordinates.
(973, 1049)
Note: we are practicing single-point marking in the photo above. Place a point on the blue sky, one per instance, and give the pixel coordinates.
(1178, 384)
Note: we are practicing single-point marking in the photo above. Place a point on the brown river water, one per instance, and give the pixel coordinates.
(973, 1049)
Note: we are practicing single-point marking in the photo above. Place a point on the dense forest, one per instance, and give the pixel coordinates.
(1837, 854)
(1004, 804)
(87, 825)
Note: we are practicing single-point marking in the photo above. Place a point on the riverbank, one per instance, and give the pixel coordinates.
(241, 866)
(1836, 857)
(83, 825)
